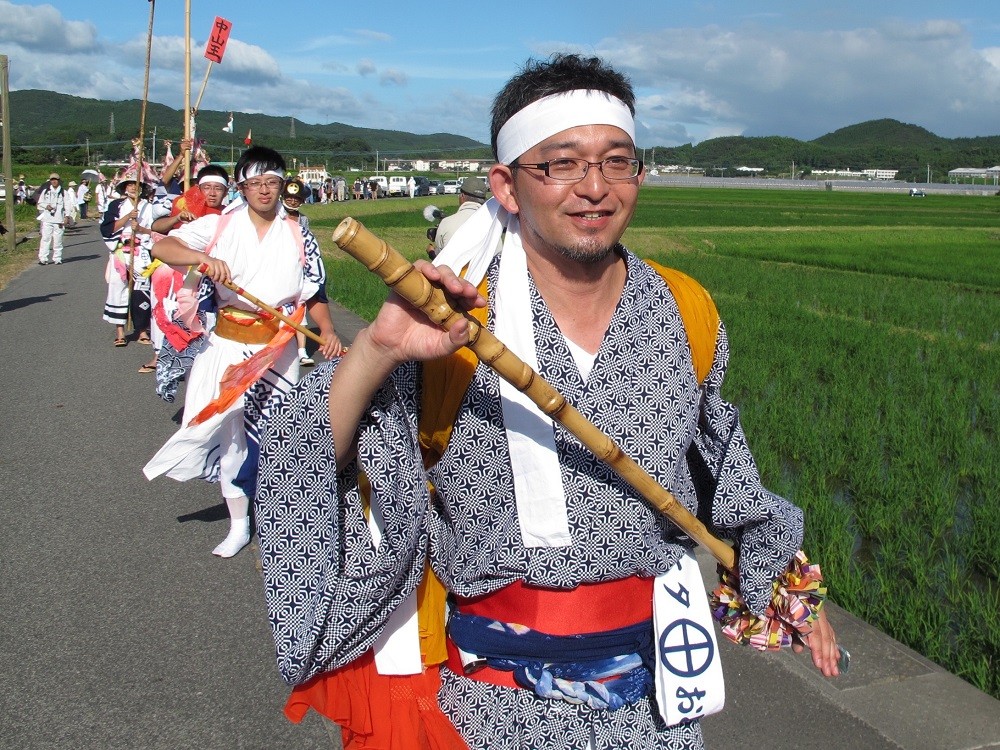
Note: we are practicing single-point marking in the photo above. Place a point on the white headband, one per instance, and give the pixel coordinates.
(256, 170)
(210, 178)
(553, 114)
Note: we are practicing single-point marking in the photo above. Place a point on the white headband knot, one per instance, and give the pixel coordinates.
(553, 114)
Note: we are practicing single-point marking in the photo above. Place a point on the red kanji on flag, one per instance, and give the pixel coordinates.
(248, 140)
(215, 48)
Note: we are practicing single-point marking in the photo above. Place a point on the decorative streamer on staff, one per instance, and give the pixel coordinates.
(797, 596)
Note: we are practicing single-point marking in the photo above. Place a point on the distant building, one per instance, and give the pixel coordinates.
(881, 174)
(963, 174)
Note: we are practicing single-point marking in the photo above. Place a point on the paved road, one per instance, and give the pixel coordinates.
(119, 629)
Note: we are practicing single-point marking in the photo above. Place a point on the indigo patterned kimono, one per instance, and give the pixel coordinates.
(330, 590)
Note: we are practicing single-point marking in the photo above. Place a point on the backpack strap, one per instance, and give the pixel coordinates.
(300, 242)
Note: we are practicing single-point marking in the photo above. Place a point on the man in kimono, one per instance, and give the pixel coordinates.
(552, 564)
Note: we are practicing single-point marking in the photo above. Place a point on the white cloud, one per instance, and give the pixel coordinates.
(764, 81)
(41, 28)
(392, 77)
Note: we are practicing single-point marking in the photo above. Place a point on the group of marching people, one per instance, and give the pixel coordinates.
(184, 268)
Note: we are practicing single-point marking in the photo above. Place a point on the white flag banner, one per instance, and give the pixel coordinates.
(229, 126)
(689, 682)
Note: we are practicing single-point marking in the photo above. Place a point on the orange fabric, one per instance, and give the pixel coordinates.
(443, 387)
(238, 378)
(376, 712)
(700, 316)
(431, 596)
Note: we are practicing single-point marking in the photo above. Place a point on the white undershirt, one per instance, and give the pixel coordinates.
(584, 359)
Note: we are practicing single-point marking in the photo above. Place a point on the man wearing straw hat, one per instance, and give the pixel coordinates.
(577, 618)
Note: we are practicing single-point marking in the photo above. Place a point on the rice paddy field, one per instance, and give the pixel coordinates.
(865, 336)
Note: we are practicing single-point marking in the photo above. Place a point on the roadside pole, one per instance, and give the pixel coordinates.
(8, 169)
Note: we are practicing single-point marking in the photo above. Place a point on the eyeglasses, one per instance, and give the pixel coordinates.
(272, 183)
(614, 168)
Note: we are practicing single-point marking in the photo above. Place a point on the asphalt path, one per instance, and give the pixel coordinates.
(119, 629)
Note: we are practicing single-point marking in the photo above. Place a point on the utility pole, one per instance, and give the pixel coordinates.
(8, 169)
(928, 174)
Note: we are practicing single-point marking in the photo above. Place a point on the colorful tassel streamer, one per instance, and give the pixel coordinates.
(796, 600)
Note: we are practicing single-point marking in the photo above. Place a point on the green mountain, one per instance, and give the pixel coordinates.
(46, 127)
(876, 144)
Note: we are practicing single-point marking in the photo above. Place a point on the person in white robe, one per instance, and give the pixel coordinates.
(254, 245)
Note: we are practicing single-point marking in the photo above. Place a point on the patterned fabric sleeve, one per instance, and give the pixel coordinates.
(767, 528)
(329, 589)
(314, 271)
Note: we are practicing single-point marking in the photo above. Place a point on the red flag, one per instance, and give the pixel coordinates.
(248, 140)
(218, 37)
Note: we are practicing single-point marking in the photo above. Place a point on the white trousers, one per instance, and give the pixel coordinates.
(51, 238)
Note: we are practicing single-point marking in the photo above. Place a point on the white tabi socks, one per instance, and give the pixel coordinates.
(239, 527)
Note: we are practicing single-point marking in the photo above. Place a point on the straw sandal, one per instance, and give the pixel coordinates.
(120, 341)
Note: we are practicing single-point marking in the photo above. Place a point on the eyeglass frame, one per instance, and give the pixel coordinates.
(255, 187)
(544, 166)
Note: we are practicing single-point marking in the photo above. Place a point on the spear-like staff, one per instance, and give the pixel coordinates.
(138, 162)
(797, 596)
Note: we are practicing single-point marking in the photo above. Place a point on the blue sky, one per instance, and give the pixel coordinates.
(701, 69)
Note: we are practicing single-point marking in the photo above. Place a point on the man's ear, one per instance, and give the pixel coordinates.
(502, 185)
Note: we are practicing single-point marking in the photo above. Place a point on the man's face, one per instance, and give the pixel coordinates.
(132, 190)
(262, 192)
(214, 193)
(54, 183)
(292, 204)
(581, 221)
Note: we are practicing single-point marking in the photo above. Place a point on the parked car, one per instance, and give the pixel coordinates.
(449, 187)
(916, 193)
(423, 186)
(397, 185)
(433, 187)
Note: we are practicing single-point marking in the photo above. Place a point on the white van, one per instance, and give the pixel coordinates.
(397, 185)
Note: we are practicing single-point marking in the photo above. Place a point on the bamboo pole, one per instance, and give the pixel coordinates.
(400, 275)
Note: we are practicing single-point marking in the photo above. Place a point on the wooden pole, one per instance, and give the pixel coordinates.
(400, 275)
(272, 311)
(204, 83)
(145, 92)
(8, 168)
(187, 90)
